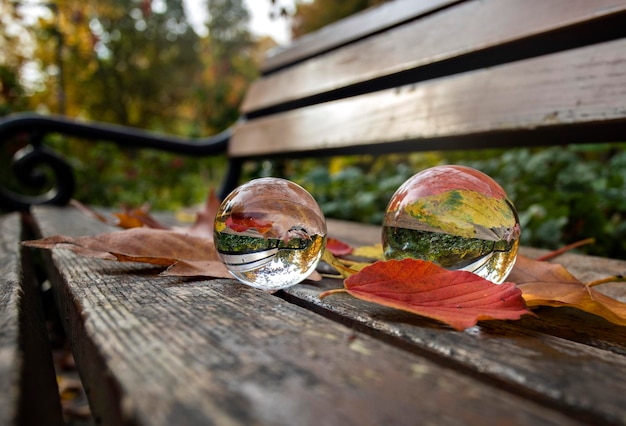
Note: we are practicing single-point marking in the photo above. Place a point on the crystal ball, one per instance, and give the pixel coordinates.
(270, 233)
(456, 217)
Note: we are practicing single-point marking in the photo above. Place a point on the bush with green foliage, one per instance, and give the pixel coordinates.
(562, 194)
(565, 194)
(108, 175)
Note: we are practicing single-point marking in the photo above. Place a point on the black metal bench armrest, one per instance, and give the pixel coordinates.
(28, 160)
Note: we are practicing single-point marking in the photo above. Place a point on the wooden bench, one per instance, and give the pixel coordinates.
(28, 390)
(407, 76)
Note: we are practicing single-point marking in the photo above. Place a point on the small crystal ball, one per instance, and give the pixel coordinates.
(456, 217)
(270, 233)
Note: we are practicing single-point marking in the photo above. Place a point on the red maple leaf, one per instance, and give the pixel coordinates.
(458, 298)
(337, 247)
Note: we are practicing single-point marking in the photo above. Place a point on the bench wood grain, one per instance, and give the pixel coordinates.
(351, 29)
(28, 389)
(556, 99)
(407, 76)
(157, 350)
(10, 358)
(471, 35)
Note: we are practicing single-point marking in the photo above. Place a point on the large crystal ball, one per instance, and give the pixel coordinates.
(456, 217)
(270, 233)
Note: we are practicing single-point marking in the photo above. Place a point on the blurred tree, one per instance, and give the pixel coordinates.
(229, 63)
(125, 62)
(140, 63)
(12, 97)
(14, 49)
(310, 16)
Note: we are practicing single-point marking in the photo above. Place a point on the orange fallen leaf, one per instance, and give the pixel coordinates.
(140, 217)
(550, 284)
(337, 247)
(146, 245)
(184, 255)
(127, 219)
(191, 268)
(458, 298)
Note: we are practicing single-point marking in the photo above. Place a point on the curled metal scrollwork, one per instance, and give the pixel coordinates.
(39, 167)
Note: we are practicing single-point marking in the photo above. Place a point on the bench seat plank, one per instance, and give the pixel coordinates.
(570, 360)
(471, 35)
(28, 388)
(408, 76)
(177, 351)
(555, 99)
(10, 357)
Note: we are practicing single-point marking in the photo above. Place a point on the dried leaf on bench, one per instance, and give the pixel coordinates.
(127, 219)
(338, 247)
(130, 218)
(138, 217)
(550, 284)
(458, 298)
(146, 245)
(370, 252)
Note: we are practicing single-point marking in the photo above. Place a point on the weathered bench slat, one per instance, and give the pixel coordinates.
(350, 29)
(156, 350)
(525, 355)
(578, 379)
(10, 358)
(28, 390)
(473, 35)
(408, 76)
(555, 99)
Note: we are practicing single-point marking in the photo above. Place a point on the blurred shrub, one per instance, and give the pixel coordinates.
(563, 194)
(109, 175)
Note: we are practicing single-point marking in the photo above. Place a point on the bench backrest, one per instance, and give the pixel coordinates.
(439, 74)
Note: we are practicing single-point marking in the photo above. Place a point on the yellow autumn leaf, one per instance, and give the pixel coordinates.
(371, 252)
